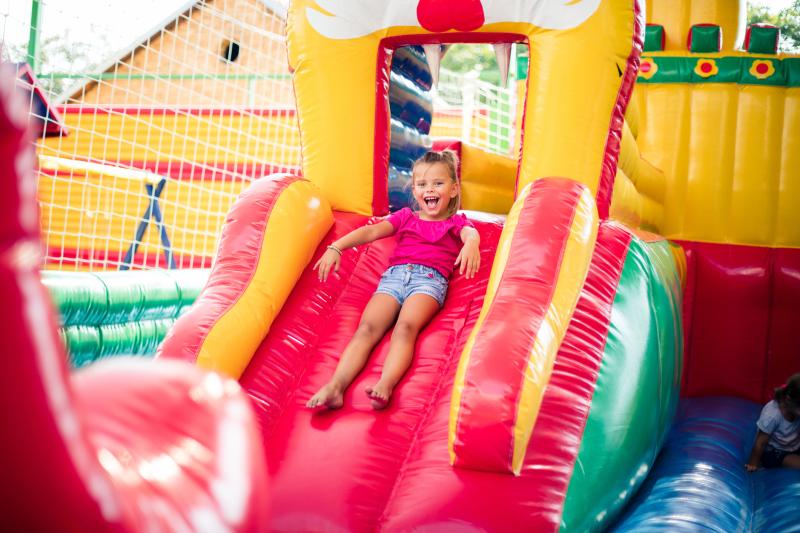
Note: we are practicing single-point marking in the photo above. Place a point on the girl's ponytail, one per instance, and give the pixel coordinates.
(789, 391)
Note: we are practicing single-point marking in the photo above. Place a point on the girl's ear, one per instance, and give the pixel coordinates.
(455, 190)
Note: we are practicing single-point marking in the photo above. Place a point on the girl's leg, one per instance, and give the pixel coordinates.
(791, 461)
(417, 311)
(378, 315)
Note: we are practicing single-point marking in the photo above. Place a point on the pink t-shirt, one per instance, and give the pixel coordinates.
(433, 243)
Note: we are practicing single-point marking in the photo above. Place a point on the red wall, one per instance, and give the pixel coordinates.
(742, 319)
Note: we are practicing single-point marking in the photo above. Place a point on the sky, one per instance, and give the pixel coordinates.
(113, 24)
(775, 5)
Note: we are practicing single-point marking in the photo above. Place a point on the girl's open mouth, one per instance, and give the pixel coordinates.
(431, 201)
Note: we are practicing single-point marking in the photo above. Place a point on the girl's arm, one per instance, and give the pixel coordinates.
(469, 257)
(363, 235)
(758, 448)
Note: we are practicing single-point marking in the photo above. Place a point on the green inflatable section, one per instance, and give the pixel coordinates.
(120, 313)
(636, 393)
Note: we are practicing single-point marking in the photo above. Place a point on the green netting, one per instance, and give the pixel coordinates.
(120, 313)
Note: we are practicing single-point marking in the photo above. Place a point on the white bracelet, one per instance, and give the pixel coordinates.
(335, 249)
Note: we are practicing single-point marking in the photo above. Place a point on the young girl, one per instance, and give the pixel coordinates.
(778, 440)
(430, 243)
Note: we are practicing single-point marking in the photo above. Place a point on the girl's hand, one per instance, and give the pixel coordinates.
(469, 258)
(330, 259)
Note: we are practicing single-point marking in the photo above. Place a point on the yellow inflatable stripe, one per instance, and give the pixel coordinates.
(626, 202)
(498, 267)
(574, 266)
(679, 256)
(632, 116)
(217, 138)
(639, 200)
(789, 204)
(299, 210)
(651, 181)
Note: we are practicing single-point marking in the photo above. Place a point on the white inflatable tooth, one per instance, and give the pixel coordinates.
(433, 54)
(502, 52)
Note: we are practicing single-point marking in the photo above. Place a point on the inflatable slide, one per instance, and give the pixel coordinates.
(643, 246)
(524, 386)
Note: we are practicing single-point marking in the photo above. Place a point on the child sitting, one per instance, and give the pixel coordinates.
(778, 440)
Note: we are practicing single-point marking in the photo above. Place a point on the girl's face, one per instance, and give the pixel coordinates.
(433, 190)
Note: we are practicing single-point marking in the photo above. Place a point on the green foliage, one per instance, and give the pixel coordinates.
(464, 58)
(788, 20)
(59, 53)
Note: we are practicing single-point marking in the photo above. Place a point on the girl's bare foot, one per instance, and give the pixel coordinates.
(329, 396)
(379, 394)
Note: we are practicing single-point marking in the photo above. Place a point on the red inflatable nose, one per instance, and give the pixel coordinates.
(443, 15)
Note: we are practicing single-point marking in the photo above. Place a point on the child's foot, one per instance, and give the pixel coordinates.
(379, 394)
(330, 396)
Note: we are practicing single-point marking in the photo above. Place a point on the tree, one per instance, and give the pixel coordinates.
(788, 20)
(59, 54)
(464, 58)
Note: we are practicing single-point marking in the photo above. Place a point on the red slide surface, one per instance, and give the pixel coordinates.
(339, 469)
(356, 469)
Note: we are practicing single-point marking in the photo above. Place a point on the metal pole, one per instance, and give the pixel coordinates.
(33, 37)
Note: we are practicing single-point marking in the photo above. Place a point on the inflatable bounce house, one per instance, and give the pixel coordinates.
(604, 370)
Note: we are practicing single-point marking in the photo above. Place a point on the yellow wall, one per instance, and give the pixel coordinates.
(487, 180)
(731, 154)
(217, 138)
(101, 212)
(678, 17)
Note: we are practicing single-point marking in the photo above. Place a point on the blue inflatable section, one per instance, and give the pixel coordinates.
(410, 104)
(410, 62)
(399, 187)
(411, 108)
(407, 145)
(699, 482)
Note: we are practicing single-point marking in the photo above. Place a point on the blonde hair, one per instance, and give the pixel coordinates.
(449, 159)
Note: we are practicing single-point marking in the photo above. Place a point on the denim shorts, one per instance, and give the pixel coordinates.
(401, 281)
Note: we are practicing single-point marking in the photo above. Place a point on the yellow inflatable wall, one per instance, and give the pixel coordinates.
(725, 129)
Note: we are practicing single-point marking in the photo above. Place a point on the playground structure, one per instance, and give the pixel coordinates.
(583, 337)
(173, 107)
